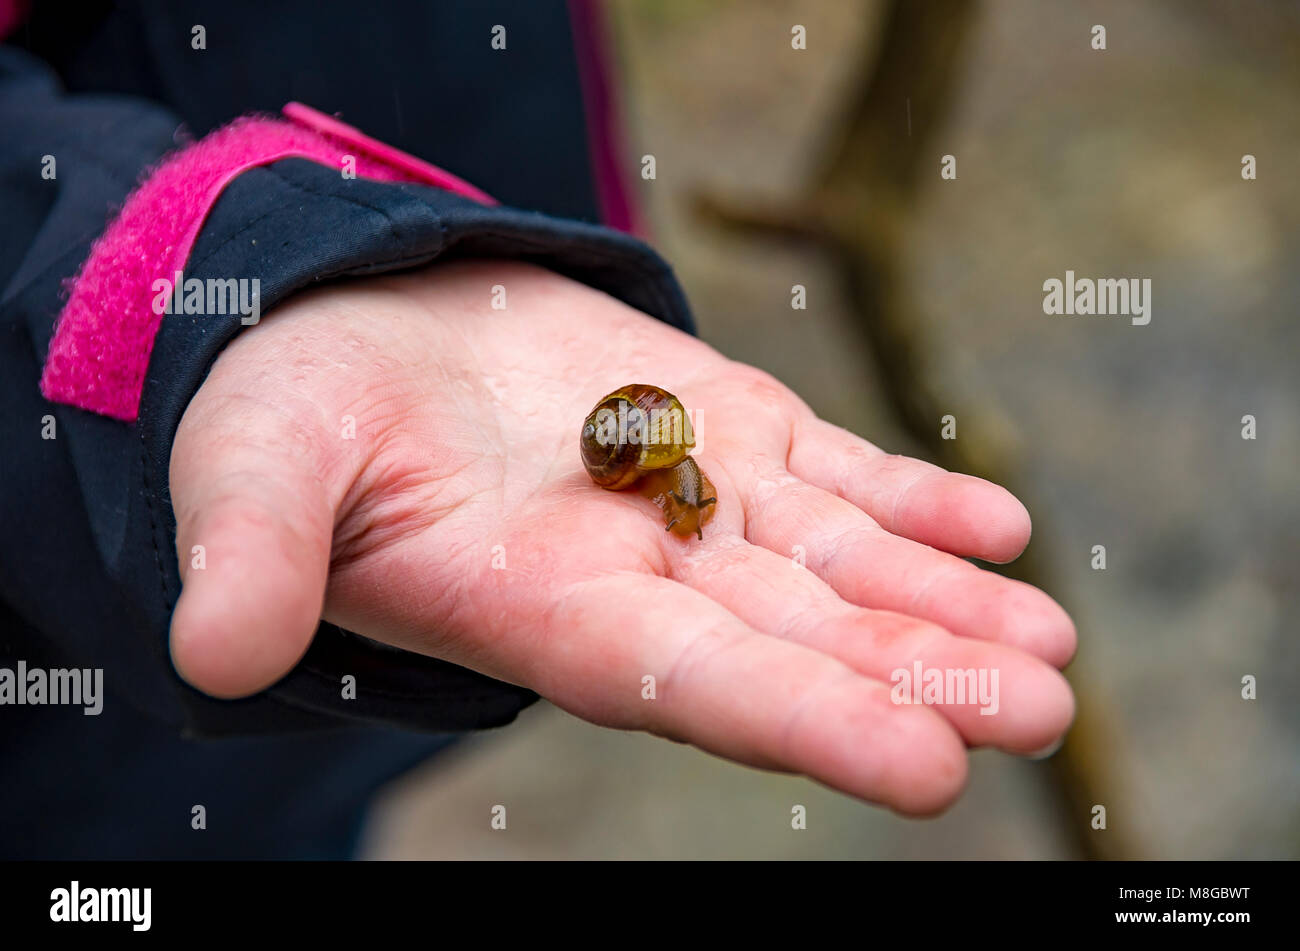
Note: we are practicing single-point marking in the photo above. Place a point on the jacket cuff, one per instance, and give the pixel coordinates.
(104, 335)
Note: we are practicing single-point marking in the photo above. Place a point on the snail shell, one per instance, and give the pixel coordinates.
(640, 436)
(633, 430)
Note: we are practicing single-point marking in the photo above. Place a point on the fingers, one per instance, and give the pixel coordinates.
(956, 513)
(716, 683)
(253, 531)
(993, 695)
(870, 567)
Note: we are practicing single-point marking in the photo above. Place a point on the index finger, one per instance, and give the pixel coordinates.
(956, 513)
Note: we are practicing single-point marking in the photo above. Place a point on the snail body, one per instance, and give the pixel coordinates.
(685, 495)
(639, 437)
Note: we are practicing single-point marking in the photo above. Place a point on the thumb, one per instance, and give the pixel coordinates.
(254, 524)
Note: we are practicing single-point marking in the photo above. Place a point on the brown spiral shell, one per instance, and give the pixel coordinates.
(632, 431)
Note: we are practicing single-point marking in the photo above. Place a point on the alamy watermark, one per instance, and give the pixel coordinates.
(1104, 297)
(216, 295)
(634, 426)
(130, 905)
(950, 686)
(58, 686)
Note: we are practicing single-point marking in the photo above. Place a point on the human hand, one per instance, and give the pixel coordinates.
(467, 422)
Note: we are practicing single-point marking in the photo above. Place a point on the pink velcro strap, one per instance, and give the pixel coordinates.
(100, 351)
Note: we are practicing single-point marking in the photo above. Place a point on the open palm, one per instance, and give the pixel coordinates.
(398, 457)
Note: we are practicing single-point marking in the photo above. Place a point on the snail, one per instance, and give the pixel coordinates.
(639, 437)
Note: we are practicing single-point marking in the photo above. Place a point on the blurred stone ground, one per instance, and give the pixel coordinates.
(1122, 163)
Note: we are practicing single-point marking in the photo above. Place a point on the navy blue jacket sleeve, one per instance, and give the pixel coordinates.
(88, 571)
